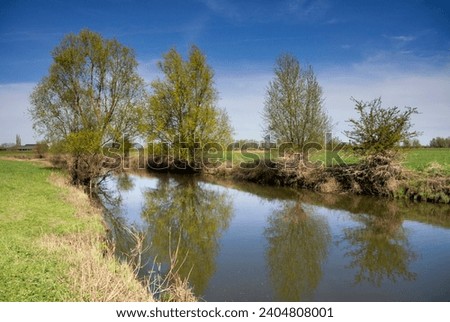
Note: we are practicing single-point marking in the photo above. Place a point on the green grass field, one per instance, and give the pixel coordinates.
(421, 159)
(414, 159)
(30, 208)
(17, 154)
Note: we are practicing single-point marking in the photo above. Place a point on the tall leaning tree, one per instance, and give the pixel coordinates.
(90, 97)
(183, 109)
(293, 109)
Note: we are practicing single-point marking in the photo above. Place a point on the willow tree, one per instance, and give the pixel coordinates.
(183, 108)
(293, 109)
(90, 98)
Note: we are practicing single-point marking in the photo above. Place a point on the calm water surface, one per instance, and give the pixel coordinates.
(245, 242)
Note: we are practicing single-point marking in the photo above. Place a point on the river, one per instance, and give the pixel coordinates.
(247, 242)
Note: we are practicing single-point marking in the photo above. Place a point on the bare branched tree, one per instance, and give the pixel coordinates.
(293, 109)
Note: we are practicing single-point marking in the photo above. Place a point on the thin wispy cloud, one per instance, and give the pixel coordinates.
(403, 39)
(402, 60)
(288, 11)
(304, 9)
(193, 29)
(29, 35)
(223, 8)
(333, 21)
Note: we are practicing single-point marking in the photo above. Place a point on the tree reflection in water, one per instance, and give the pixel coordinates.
(183, 212)
(120, 235)
(297, 247)
(379, 249)
(378, 246)
(124, 182)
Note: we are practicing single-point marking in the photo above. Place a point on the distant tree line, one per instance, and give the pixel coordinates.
(439, 142)
(411, 143)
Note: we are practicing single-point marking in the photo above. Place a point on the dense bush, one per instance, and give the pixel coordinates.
(380, 130)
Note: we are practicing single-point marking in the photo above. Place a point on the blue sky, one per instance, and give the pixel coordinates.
(399, 50)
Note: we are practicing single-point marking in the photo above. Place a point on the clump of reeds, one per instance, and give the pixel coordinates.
(166, 286)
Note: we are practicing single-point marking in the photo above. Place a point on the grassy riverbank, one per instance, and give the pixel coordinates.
(51, 241)
(416, 174)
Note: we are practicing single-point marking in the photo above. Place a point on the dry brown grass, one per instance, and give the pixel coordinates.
(435, 169)
(94, 274)
(75, 196)
(331, 185)
(375, 175)
(169, 286)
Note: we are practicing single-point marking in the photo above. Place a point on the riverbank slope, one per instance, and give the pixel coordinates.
(52, 241)
(423, 175)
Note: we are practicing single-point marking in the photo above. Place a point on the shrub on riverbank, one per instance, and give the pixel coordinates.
(376, 175)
